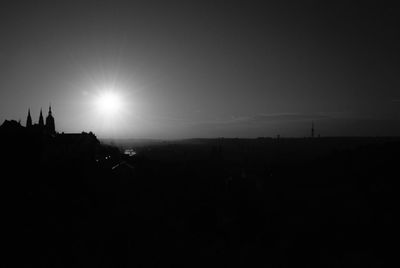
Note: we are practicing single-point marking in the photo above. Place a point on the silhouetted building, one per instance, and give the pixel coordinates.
(50, 125)
(44, 144)
(80, 146)
(29, 119)
(41, 121)
(11, 126)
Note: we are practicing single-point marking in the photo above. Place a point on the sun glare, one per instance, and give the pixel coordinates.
(108, 103)
(110, 109)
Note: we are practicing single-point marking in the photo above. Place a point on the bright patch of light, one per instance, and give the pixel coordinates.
(111, 109)
(108, 104)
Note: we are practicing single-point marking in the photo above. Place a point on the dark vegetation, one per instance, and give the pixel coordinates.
(322, 202)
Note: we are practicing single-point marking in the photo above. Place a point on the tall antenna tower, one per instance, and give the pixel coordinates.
(312, 129)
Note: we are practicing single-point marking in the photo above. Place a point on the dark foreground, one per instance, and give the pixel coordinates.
(203, 203)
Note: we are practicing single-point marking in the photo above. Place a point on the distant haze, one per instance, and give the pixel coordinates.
(204, 69)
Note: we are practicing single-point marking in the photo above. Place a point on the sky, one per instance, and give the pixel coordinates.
(184, 69)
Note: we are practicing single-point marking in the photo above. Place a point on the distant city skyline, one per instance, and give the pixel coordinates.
(206, 69)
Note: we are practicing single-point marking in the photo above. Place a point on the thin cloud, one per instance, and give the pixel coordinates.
(273, 118)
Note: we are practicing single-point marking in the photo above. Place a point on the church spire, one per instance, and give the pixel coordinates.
(50, 125)
(41, 121)
(29, 119)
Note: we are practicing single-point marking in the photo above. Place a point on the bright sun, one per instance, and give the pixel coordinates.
(111, 110)
(108, 104)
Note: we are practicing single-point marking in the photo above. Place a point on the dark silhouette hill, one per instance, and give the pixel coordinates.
(70, 201)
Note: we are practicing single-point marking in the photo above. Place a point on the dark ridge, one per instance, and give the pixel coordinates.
(70, 201)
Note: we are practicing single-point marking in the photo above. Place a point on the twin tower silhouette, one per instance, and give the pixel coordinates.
(49, 127)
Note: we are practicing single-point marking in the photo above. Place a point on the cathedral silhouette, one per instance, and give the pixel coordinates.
(42, 140)
(49, 127)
